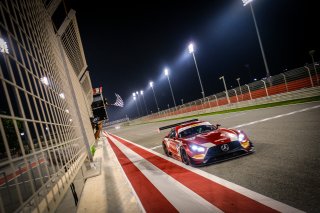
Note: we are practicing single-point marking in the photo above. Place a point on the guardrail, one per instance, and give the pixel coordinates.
(273, 88)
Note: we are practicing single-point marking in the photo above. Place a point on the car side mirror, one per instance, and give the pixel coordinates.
(218, 125)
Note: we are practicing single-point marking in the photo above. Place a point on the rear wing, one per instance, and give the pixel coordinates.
(176, 124)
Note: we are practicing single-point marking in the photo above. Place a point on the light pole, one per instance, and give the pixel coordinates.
(191, 50)
(245, 2)
(139, 104)
(135, 100)
(311, 52)
(141, 93)
(154, 94)
(225, 87)
(166, 73)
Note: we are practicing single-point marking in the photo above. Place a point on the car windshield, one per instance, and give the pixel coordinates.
(196, 130)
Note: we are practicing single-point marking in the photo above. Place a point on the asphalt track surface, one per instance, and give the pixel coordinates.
(286, 164)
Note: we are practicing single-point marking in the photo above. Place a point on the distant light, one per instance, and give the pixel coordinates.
(67, 111)
(190, 47)
(141, 92)
(62, 95)
(22, 133)
(3, 46)
(117, 127)
(255, 79)
(245, 2)
(166, 71)
(44, 80)
(134, 97)
(137, 92)
(70, 119)
(47, 128)
(134, 94)
(151, 84)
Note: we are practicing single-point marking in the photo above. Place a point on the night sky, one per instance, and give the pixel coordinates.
(128, 44)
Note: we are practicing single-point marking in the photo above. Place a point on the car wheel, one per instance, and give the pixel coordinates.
(184, 157)
(165, 149)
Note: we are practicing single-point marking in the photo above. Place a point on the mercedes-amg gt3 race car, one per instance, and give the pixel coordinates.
(199, 142)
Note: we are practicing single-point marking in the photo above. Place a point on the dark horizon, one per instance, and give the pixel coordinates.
(127, 45)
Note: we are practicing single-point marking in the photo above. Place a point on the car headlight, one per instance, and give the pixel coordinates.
(197, 148)
(241, 137)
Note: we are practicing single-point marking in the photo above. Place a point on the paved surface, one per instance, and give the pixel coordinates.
(110, 191)
(285, 166)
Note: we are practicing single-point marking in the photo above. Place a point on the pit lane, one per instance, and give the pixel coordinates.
(286, 163)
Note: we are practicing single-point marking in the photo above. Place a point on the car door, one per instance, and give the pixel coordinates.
(173, 143)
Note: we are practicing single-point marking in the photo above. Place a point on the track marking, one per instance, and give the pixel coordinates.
(182, 198)
(277, 116)
(232, 116)
(150, 197)
(226, 195)
(114, 158)
(156, 147)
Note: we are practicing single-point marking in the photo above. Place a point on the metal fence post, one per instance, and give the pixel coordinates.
(265, 86)
(7, 185)
(201, 104)
(216, 100)
(209, 102)
(315, 69)
(235, 91)
(32, 173)
(249, 91)
(309, 75)
(285, 81)
(24, 182)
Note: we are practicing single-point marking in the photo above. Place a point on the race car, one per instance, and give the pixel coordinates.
(199, 143)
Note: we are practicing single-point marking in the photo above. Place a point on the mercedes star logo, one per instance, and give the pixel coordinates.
(224, 147)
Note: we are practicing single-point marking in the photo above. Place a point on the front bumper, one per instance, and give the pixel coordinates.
(216, 154)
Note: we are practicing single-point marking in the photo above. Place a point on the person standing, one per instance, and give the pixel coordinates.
(98, 130)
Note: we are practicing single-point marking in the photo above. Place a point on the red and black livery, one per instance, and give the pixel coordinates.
(200, 143)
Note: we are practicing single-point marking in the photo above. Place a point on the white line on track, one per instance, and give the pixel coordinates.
(232, 116)
(181, 197)
(260, 121)
(281, 207)
(156, 147)
(277, 116)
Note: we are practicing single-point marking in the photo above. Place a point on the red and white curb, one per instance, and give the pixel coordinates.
(166, 185)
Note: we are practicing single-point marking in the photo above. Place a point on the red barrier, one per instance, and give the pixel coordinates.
(273, 90)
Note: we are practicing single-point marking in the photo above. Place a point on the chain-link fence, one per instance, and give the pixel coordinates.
(283, 83)
(45, 129)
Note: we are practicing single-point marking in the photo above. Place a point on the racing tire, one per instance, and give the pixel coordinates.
(184, 157)
(165, 149)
